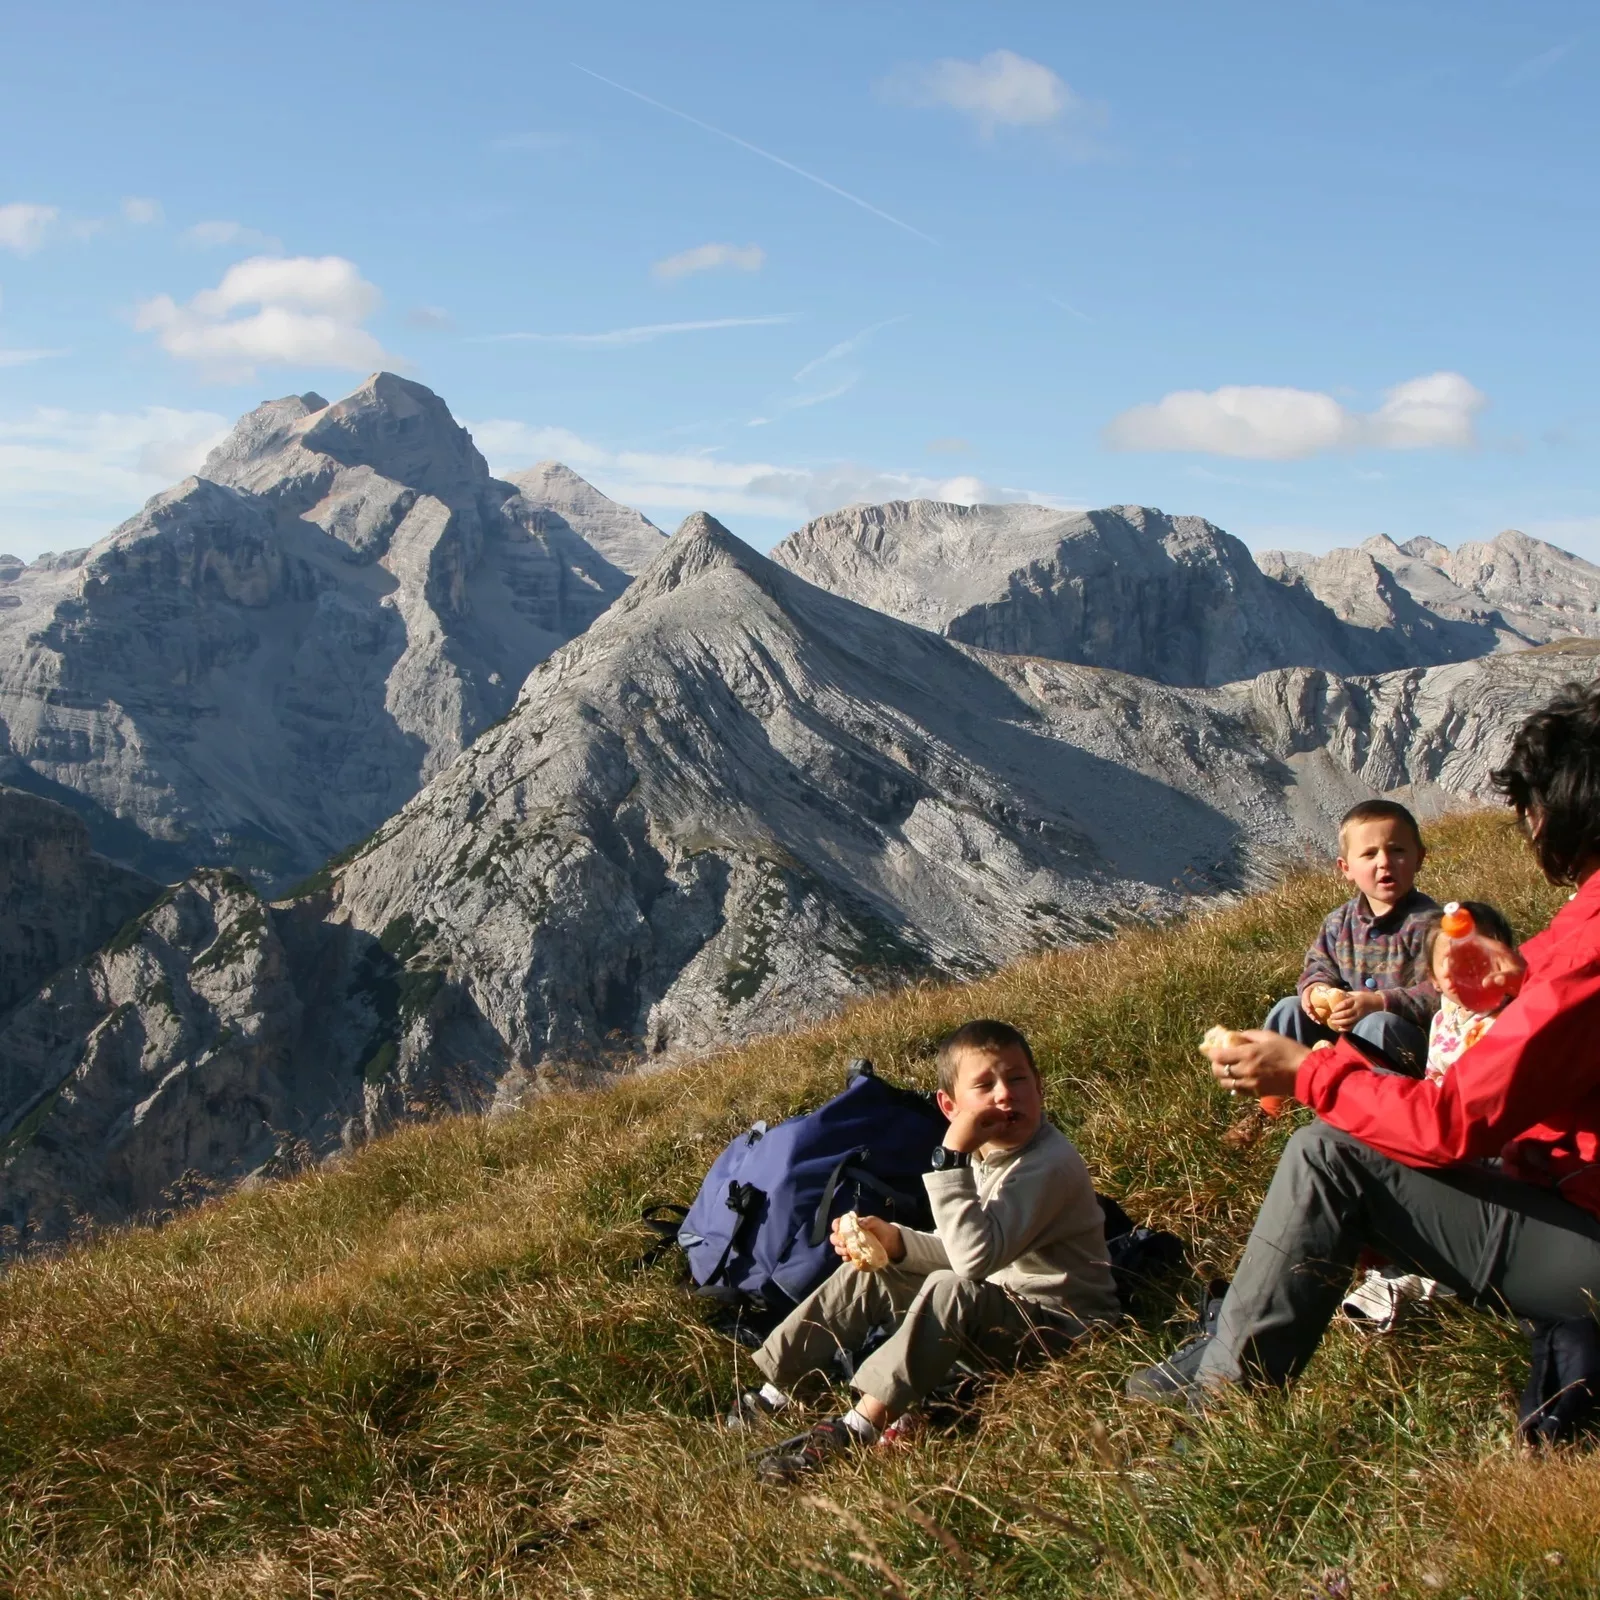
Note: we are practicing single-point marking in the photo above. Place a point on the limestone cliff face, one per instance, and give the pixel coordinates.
(215, 1039)
(59, 901)
(1178, 600)
(271, 657)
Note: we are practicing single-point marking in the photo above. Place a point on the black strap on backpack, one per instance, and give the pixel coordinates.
(663, 1218)
(848, 1167)
(745, 1200)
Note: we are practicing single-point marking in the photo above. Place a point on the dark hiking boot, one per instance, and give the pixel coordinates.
(805, 1453)
(1175, 1381)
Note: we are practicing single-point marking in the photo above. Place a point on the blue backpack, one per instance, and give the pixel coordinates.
(757, 1233)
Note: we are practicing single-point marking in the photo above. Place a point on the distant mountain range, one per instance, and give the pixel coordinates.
(584, 821)
(1178, 600)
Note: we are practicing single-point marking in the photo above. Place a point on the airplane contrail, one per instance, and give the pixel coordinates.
(766, 155)
(643, 335)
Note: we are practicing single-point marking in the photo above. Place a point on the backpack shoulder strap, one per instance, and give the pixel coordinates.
(745, 1200)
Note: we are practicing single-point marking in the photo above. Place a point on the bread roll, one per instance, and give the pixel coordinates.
(866, 1250)
(1320, 999)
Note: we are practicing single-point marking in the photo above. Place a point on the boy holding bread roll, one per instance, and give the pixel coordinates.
(1367, 973)
(1016, 1265)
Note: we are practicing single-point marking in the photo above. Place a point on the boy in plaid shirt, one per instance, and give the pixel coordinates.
(1367, 973)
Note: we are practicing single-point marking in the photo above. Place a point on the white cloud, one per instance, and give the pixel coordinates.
(23, 228)
(224, 235)
(307, 311)
(1275, 424)
(708, 257)
(23, 358)
(140, 211)
(1003, 90)
(1438, 411)
(643, 335)
(705, 482)
(67, 478)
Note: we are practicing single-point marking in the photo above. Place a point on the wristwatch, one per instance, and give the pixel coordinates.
(947, 1160)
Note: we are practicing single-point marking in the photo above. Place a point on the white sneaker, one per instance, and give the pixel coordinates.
(1376, 1304)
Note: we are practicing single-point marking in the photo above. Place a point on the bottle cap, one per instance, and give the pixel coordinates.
(1457, 920)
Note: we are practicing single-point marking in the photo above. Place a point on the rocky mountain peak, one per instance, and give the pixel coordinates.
(1127, 587)
(262, 432)
(700, 543)
(1422, 548)
(624, 537)
(390, 427)
(269, 658)
(403, 431)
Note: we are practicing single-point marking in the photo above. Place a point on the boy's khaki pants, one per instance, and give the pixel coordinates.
(942, 1318)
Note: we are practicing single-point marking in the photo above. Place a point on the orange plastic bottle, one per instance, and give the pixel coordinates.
(1470, 960)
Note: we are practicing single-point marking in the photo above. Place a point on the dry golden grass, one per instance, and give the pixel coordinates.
(434, 1370)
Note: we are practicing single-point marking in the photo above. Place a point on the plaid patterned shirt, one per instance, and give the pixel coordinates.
(1357, 950)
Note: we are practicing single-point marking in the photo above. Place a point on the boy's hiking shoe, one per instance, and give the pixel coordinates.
(907, 1429)
(805, 1453)
(751, 1408)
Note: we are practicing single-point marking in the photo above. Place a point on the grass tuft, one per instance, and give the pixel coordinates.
(434, 1369)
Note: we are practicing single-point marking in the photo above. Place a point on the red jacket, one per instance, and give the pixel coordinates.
(1529, 1091)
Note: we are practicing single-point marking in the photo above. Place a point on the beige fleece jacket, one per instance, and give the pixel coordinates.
(1025, 1219)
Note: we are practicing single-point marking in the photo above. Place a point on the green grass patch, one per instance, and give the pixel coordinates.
(434, 1369)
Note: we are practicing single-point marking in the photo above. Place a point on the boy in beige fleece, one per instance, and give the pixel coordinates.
(1016, 1264)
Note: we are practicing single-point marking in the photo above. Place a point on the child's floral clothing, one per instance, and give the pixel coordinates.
(1454, 1030)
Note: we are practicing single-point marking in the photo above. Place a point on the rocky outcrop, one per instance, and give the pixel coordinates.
(59, 901)
(216, 1039)
(271, 657)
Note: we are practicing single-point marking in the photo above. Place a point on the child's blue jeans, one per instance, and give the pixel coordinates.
(1401, 1043)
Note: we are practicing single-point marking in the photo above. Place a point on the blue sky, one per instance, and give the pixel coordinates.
(1313, 272)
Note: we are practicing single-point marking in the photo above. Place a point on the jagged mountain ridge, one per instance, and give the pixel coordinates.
(734, 802)
(1179, 600)
(271, 657)
(1518, 590)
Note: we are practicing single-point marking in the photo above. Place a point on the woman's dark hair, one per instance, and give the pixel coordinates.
(1486, 920)
(1552, 777)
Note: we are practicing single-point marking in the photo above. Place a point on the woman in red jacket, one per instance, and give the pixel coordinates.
(1489, 1181)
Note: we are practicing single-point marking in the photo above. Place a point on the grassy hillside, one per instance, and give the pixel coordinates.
(433, 1372)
